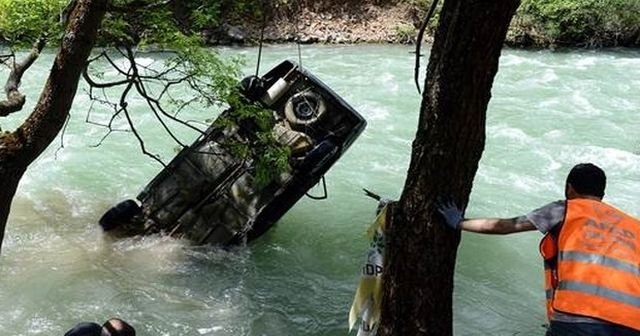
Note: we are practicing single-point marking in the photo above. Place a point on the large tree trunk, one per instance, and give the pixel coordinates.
(20, 148)
(421, 253)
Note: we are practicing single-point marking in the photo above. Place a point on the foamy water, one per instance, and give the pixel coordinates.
(549, 111)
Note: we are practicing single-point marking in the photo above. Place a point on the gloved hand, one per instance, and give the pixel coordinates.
(451, 213)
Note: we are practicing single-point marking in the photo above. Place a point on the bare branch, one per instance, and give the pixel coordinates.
(64, 130)
(4, 59)
(93, 83)
(15, 100)
(133, 128)
(152, 83)
(140, 141)
(152, 103)
(183, 106)
(115, 66)
(33, 55)
(109, 126)
(156, 101)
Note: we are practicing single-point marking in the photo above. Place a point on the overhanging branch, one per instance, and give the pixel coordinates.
(130, 78)
(15, 100)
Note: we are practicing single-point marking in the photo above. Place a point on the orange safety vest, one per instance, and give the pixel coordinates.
(592, 266)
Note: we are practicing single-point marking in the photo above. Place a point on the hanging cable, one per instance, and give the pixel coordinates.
(416, 71)
(297, 16)
(264, 24)
(260, 46)
(325, 194)
(299, 53)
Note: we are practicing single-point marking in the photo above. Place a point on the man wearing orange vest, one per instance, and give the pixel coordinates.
(591, 254)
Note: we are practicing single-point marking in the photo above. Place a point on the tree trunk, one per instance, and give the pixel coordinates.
(421, 253)
(20, 148)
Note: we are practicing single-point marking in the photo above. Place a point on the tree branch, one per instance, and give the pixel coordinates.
(15, 100)
(135, 78)
(95, 84)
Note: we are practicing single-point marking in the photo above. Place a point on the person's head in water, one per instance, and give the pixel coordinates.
(117, 327)
(585, 179)
(113, 327)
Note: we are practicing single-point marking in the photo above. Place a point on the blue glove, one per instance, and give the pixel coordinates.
(451, 213)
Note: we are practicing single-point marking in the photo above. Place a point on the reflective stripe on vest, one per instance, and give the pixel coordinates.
(590, 258)
(599, 264)
(600, 291)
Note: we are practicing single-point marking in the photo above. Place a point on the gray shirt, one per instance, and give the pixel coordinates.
(544, 219)
(547, 217)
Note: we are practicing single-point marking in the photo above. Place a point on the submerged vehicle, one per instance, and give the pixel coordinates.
(208, 194)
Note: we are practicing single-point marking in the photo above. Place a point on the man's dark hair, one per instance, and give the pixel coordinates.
(118, 327)
(587, 179)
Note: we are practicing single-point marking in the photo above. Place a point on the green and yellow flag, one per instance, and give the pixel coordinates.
(366, 303)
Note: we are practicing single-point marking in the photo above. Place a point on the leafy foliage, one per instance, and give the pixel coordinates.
(202, 14)
(270, 157)
(22, 21)
(216, 83)
(587, 22)
(406, 32)
(212, 80)
(133, 26)
(594, 22)
(271, 161)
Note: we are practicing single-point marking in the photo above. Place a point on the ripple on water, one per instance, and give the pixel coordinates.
(505, 133)
(549, 111)
(605, 157)
(373, 112)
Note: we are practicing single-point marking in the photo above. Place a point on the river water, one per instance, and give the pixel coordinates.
(549, 111)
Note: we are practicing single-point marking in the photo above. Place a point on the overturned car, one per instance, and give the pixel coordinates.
(209, 194)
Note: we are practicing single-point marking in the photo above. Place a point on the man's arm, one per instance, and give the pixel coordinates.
(497, 225)
(453, 218)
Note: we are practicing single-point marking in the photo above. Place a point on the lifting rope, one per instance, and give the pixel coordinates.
(297, 32)
(324, 187)
(264, 23)
(262, 28)
(297, 23)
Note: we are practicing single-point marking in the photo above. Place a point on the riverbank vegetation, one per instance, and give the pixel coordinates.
(570, 23)
(590, 23)
(538, 23)
(23, 21)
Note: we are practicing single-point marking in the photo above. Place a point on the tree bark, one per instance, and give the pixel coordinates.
(421, 251)
(25, 144)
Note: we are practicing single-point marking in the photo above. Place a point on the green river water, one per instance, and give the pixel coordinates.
(549, 111)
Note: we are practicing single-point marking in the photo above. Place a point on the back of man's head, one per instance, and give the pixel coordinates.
(118, 327)
(587, 179)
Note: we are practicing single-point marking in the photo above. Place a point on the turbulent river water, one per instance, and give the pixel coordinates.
(549, 111)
